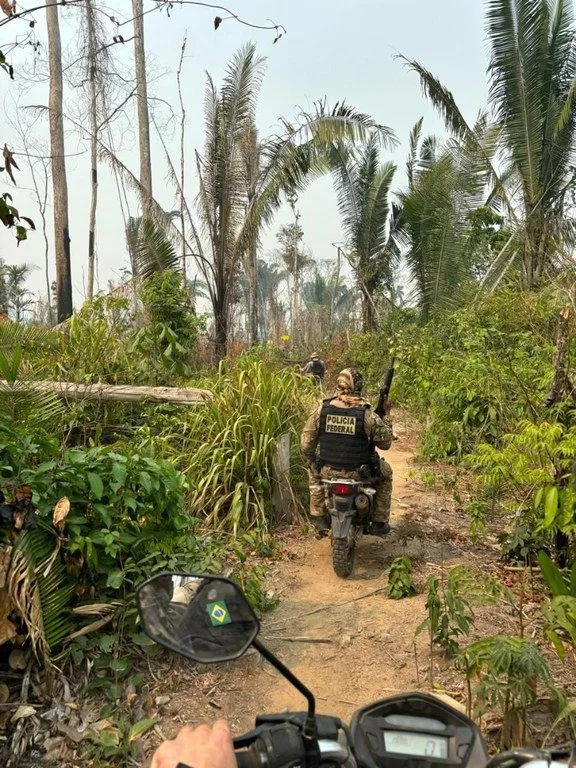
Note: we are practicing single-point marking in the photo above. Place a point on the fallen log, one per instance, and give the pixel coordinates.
(118, 392)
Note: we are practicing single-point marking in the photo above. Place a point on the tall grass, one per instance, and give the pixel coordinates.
(230, 443)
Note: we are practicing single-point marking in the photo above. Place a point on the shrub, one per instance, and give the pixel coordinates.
(473, 374)
(530, 477)
(400, 582)
(508, 670)
(165, 346)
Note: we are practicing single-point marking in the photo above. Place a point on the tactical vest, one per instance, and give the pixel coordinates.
(317, 369)
(342, 437)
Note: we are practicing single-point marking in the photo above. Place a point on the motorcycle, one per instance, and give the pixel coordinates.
(350, 504)
(208, 619)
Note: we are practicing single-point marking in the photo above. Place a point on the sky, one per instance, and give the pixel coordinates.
(338, 49)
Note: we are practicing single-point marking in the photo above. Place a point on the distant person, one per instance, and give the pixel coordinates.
(314, 367)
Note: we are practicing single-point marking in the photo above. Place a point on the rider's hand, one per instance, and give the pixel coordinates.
(207, 746)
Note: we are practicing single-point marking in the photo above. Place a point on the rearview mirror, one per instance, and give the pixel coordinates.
(206, 618)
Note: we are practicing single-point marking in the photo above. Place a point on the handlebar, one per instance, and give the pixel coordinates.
(274, 755)
(275, 746)
(248, 758)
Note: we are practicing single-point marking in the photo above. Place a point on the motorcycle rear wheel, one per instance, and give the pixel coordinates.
(343, 552)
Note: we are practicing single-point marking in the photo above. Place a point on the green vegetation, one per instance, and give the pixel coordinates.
(465, 276)
(400, 582)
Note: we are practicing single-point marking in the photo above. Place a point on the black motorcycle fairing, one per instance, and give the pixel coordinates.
(372, 726)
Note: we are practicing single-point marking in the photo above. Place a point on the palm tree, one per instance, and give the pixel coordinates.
(271, 311)
(363, 188)
(532, 86)
(433, 221)
(295, 258)
(243, 181)
(3, 290)
(329, 303)
(19, 298)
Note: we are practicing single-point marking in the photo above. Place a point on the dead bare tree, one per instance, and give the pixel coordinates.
(93, 100)
(182, 157)
(143, 117)
(39, 174)
(58, 163)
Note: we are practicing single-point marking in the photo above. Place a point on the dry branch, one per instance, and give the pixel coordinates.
(328, 607)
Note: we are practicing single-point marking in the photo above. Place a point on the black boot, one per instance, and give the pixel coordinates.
(321, 526)
(379, 529)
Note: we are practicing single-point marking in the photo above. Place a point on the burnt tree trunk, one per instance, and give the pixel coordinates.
(143, 117)
(58, 164)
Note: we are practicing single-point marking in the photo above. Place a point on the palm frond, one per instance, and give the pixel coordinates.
(442, 99)
(445, 103)
(305, 150)
(377, 209)
(41, 591)
(240, 88)
(28, 337)
(20, 403)
(435, 224)
(415, 134)
(158, 215)
(150, 248)
(516, 33)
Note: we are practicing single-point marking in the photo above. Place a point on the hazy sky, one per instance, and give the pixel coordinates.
(340, 49)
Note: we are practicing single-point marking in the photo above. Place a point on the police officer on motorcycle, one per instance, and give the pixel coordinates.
(341, 436)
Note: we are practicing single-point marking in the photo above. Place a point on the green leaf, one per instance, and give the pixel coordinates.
(109, 738)
(573, 580)
(113, 691)
(120, 666)
(145, 481)
(96, 485)
(119, 472)
(107, 642)
(141, 727)
(142, 640)
(550, 507)
(537, 500)
(115, 579)
(552, 575)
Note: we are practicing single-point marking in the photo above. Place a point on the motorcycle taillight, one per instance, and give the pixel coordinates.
(341, 489)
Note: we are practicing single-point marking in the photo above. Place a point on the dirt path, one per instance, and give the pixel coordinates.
(371, 651)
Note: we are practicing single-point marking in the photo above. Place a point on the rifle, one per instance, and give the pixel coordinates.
(380, 409)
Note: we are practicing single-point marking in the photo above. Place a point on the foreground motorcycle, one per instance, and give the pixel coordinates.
(350, 505)
(208, 619)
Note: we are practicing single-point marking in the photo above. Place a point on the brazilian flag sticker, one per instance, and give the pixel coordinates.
(218, 613)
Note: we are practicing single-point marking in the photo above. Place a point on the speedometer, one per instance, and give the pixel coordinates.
(416, 730)
(417, 744)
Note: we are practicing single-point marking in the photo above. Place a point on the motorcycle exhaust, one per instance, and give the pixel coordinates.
(361, 502)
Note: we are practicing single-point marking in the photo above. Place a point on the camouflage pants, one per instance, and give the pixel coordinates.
(382, 484)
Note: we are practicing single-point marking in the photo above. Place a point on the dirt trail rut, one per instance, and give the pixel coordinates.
(369, 650)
